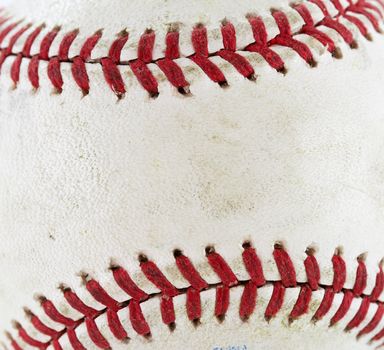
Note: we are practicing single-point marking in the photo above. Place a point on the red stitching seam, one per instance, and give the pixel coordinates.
(199, 39)
(197, 285)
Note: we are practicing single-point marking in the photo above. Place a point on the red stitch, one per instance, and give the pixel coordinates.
(329, 22)
(15, 69)
(28, 339)
(40, 326)
(3, 56)
(312, 269)
(3, 20)
(14, 344)
(324, 39)
(301, 306)
(361, 10)
(89, 44)
(310, 29)
(239, 62)
(56, 345)
(361, 277)
(189, 272)
(54, 74)
(200, 45)
(285, 38)
(138, 321)
(200, 40)
(145, 46)
(30, 40)
(379, 285)
(46, 43)
(193, 305)
(8, 50)
(220, 266)
(115, 325)
(261, 44)
(359, 24)
(99, 294)
(325, 305)
(125, 282)
(305, 14)
(253, 265)
(371, 7)
(33, 72)
(344, 32)
(276, 301)
(343, 309)
(340, 272)
(228, 53)
(172, 51)
(174, 74)
(338, 6)
(248, 300)
(378, 336)
(371, 326)
(222, 301)
(153, 273)
(79, 72)
(145, 77)
(167, 311)
(282, 23)
(117, 46)
(321, 5)
(113, 77)
(380, 3)
(7, 30)
(66, 43)
(95, 334)
(228, 33)
(75, 342)
(210, 69)
(77, 303)
(360, 315)
(285, 266)
(54, 314)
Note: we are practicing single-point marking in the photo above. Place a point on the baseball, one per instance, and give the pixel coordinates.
(192, 174)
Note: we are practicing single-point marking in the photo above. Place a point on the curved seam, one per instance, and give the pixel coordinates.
(197, 285)
(200, 43)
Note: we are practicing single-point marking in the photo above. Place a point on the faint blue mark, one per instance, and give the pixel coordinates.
(230, 347)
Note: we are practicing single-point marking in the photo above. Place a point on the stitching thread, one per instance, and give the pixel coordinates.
(199, 39)
(228, 280)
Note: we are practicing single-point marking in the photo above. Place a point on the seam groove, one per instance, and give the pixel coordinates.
(174, 74)
(197, 285)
